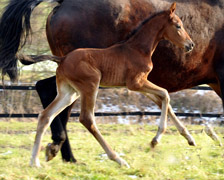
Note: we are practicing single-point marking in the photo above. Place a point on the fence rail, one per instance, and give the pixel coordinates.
(136, 113)
(17, 87)
(33, 88)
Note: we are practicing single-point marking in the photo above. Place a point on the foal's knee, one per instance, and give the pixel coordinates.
(43, 120)
(165, 96)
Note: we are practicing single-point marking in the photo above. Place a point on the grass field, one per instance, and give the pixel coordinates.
(172, 159)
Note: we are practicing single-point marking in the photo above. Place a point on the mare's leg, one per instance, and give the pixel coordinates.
(219, 87)
(60, 138)
(66, 150)
(66, 96)
(146, 87)
(180, 127)
(47, 91)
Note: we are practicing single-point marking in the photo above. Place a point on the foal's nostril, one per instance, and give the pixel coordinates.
(189, 47)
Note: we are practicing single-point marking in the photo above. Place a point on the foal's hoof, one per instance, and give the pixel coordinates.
(51, 151)
(153, 143)
(192, 143)
(35, 163)
(122, 162)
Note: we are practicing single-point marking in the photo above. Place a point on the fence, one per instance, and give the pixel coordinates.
(136, 113)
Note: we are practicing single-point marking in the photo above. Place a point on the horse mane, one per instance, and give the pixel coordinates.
(133, 32)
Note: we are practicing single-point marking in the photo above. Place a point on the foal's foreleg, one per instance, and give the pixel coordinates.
(148, 88)
(163, 119)
(180, 127)
(88, 120)
(45, 118)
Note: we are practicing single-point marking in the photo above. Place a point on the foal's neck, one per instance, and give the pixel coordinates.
(148, 36)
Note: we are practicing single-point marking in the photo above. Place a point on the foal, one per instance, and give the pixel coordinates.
(126, 64)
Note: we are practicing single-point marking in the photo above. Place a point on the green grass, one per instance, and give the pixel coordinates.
(172, 159)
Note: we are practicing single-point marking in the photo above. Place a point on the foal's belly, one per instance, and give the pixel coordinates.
(112, 78)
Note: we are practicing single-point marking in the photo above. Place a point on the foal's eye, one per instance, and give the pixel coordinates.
(178, 26)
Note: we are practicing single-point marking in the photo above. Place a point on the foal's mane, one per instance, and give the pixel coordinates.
(133, 32)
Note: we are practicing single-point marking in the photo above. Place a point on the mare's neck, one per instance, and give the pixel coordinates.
(148, 36)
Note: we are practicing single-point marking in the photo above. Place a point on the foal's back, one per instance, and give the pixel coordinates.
(111, 64)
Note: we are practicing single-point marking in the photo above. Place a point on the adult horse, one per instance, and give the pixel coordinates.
(79, 24)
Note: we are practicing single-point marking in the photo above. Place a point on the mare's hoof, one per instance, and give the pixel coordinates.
(79, 163)
(51, 151)
(73, 160)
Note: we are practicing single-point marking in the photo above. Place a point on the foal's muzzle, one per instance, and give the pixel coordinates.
(189, 46)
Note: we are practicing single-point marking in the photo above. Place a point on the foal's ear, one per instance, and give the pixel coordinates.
(172, 9)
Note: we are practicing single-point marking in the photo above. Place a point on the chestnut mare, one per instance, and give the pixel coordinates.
(75, 24)
(126, 64)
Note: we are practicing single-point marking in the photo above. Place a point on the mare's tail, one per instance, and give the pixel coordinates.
(14, 30)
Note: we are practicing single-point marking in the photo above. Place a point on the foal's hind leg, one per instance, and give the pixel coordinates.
(180, 127)
(66, 96)
(88, 120)
(47, 91)
(60, 138)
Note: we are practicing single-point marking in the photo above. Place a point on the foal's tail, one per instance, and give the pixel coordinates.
(14, 31)
(27, 60)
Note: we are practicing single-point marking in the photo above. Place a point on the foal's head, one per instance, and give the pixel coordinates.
(175, 32)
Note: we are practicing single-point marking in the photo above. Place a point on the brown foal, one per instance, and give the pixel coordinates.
(126, 64)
